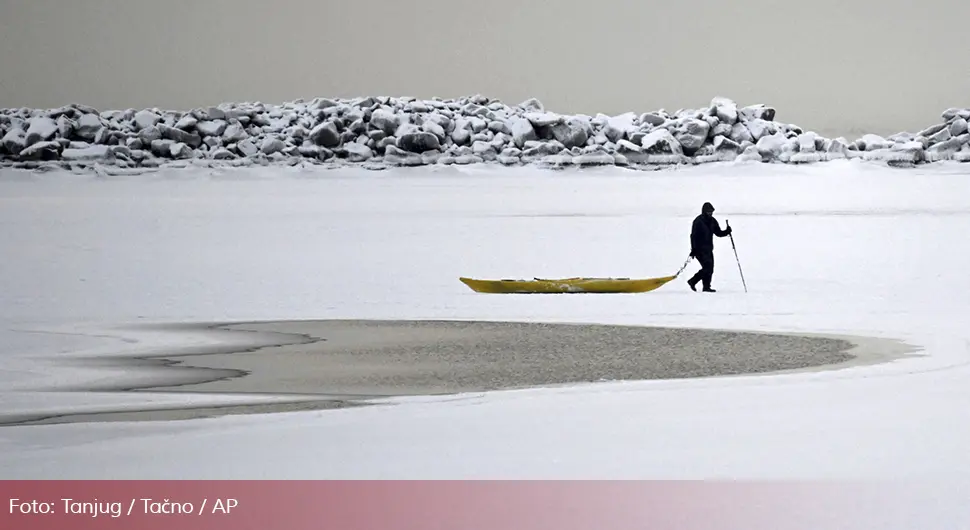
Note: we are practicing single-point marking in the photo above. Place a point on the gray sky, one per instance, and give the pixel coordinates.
(833, 66)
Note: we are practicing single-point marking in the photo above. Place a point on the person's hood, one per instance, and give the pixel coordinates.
(707, 208)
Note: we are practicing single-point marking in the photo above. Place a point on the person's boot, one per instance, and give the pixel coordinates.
(709, 289)
(692, 283)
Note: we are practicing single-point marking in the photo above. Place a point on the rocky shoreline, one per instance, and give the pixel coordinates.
(383, 132)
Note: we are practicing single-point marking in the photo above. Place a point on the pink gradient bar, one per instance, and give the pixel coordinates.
(476, 505)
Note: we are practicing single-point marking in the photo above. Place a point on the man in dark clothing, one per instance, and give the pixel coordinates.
(702, 234)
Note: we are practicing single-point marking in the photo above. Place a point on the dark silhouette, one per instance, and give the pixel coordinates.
(702, 234)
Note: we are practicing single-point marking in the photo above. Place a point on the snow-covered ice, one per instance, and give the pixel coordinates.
(845, 247)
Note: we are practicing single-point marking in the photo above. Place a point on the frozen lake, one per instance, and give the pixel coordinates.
(840, 248)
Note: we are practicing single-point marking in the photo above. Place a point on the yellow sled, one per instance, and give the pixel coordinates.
(570, 285)
(567, 285)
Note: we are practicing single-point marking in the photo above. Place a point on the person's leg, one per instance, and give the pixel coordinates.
(707, 269)
(698, 276)
(706, 261)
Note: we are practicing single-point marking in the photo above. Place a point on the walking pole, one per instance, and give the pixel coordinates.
(736, 256)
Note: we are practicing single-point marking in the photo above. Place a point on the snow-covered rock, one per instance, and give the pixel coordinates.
(325, 134)
(271, 145)
(723, 143)
(691, 134)
(750, 154)
(571, 133)
(773, 146)
(247, 148)
(661, 141)
(221, 153)
(396, 156)
(210, 128)
(962, 156)
(757, 112)
(522, 131)
(14, 141)
(386, 120)
(177, 135)
(807, 142)
(596, 158)
(873, 142)
(418, 141)
(88, 126)
(41, 151)
(144, 119)
(758, 128)
(946, 149)
(92, 152)
(725, 110)
(958, 126)
(620, 127)
(951, 114)
(357, 152)
(40, 129)
(376, 132)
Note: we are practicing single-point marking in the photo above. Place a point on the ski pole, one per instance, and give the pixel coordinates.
(728, 224)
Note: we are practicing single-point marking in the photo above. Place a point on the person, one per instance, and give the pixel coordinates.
(702, 234)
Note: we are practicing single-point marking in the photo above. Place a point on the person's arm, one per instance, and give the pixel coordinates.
(694, 235)
(717, 229)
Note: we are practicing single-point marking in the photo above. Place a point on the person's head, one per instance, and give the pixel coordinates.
(707, 209)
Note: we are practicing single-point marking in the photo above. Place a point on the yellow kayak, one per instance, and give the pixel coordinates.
(567, 285)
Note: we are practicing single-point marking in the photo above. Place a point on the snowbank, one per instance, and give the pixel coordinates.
(381, 132)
